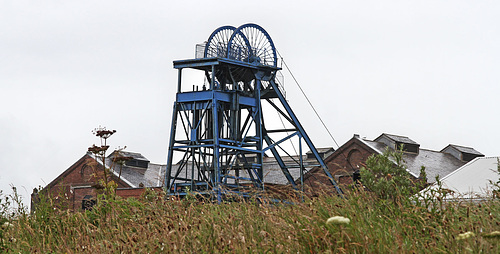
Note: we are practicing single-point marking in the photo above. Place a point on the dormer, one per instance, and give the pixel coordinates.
(132, 159)
(323, 152)
(462, 153)
(399, 142)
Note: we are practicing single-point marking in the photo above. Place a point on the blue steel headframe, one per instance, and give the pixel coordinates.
(220, 130)
(217, 42)
(259, 45)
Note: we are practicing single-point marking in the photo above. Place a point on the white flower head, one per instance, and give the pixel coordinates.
(338, 220)
(465, 235)
(493, 234)
(7, 225)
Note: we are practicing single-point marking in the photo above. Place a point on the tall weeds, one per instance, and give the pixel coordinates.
(158, 224)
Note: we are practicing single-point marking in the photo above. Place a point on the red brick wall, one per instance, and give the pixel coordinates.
(79, 194)
(128, 193)
(347, 161)
(341, 164)
(83, 173)
(68, 189)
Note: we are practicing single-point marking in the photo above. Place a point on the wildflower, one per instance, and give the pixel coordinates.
(465, 235)
(493, 234)
(338, 220)
(7, 225)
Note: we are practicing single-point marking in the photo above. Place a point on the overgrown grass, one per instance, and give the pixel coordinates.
(155, 224)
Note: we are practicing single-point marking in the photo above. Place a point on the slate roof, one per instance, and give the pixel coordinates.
(151, 177)
(272, 171)
(323, 150)
(135, 156)
(274, 175)
(436, 163)
(397, 138)
(464, 149)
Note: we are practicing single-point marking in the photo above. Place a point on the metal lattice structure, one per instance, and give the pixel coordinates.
(219, 132)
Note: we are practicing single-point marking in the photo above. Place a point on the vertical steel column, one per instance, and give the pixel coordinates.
(170, 148)
(179, 80)
(258, 126)
(216, 141)
(301, 161)
(173, 129)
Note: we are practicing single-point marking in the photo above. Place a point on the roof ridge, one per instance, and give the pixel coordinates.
(428, 149)
(395, 135)
(461, 146)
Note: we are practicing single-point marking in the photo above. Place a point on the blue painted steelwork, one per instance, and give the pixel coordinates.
(217, 42)
(247, 45)
(219, 133)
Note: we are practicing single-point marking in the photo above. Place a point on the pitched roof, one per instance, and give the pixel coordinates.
(274, 175)
(322, 150)
(271, 170)
(151, 177)
(472, 179)
(396, 138)
(464, 149)
(134, 176)
(435, 163)
(135, 156)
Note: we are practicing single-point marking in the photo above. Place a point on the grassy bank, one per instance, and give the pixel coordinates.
(157, 225)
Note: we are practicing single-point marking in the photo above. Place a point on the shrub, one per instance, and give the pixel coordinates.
(386, 175)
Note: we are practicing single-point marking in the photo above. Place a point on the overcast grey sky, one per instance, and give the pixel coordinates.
(428, 70)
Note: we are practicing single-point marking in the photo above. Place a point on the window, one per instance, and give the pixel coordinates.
(88, 202)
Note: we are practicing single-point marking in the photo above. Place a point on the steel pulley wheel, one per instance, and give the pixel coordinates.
(217, 42)
(251, 43)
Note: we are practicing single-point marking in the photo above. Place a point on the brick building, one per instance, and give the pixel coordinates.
(346, 161)
(75, 188)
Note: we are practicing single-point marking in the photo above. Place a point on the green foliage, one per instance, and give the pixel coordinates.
(496, 184)
(4, 215)
(433, 199)
(386, 176)
(423, 175)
